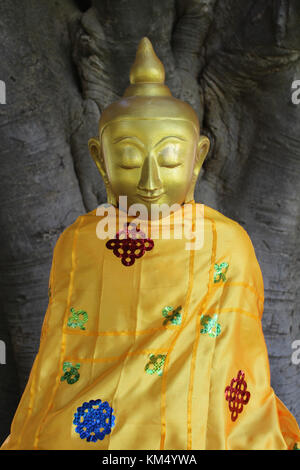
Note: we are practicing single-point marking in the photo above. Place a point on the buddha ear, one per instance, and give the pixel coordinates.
(96, 154)
(202, 150)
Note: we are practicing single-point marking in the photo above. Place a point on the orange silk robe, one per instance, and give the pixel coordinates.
(177, 399)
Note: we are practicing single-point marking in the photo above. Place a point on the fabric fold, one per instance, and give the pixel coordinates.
(162, 351)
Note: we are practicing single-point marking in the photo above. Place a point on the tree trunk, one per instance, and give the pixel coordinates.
(63, 62)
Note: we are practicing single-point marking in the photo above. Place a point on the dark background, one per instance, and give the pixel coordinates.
(234, 61)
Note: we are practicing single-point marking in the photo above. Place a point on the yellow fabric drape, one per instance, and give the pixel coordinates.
(185, 407)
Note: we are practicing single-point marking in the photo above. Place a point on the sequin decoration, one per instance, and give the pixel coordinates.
(71, 374)
(221, 270)
(296, 447)
(211, 325)
(237, 395)
(94, 420)
(77, 319)
(174, 317)
(156, 364)
(130, 244)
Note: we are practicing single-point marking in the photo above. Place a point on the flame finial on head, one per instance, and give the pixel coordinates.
(147, 96)
(147, 74)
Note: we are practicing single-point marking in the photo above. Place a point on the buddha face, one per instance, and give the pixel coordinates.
(151, 161)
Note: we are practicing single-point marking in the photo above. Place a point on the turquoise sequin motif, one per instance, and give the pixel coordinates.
(156, 363)
(221, 270)
(171, 315)
(71, 374)
(211, 325)
(77, 319)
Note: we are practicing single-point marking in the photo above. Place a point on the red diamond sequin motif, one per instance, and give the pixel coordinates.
(237, 395)
(130, 244)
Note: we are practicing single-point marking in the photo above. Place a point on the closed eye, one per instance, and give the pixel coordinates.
(130, 157)
(171, 164)
(129, 165)
(170, 156)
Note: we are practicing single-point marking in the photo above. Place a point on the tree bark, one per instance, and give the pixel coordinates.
(64, 62)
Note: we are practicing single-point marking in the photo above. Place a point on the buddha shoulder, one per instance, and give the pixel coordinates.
(229, 233)
(67, 236)
(234, 246)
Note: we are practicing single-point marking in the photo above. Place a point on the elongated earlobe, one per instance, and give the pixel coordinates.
(96, 154)
(95, 151)
(202, 151)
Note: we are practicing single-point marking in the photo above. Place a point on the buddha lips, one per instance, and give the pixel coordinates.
(130, 243)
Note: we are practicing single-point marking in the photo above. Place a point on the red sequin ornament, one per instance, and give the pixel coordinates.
(237, 395)
(130, 243)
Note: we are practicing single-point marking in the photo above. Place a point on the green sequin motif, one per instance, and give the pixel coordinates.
(155, 365)
(220, 269)
(77, 319)
(296, 447)
(174, 317)
(71, 374)
(211, 325)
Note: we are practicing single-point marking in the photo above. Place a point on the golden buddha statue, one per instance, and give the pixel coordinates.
(147, 344)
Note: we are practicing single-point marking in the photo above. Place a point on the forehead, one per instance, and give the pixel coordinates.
(150, 130)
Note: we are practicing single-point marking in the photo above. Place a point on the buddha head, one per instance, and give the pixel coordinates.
(149, 146)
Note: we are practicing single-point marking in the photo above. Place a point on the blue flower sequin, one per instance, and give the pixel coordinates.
(94, 420)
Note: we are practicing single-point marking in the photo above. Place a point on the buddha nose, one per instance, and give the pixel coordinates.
(150, 180)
